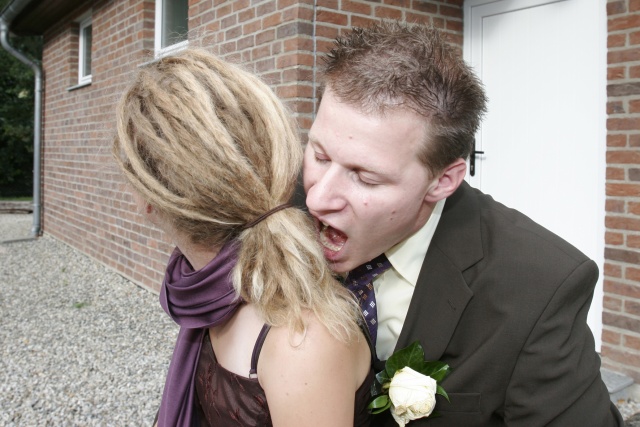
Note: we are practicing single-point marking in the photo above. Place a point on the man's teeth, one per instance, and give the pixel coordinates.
(325, 241)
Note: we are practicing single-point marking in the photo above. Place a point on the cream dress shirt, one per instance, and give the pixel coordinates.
(394, 288)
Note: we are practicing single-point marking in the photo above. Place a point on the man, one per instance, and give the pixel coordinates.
(499, 298)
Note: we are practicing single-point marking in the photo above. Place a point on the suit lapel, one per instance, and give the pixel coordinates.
(442, 293)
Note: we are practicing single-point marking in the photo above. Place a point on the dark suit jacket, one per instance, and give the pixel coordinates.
(504, 302)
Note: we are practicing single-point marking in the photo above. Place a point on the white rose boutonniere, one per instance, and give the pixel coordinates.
(408, 385)
(412, 395)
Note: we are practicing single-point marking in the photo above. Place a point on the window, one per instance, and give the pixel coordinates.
(172, 25)
(84, 52)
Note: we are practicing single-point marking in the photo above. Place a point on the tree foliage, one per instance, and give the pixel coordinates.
(17, 87)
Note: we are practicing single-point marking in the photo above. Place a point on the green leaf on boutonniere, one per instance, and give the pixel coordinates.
(382, 381)
(380, 404)
(441, 392)
(436, 370)
(413, 355)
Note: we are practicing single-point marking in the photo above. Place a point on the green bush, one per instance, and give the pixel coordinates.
(17, 86)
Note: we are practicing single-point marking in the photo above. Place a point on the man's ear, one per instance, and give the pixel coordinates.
(447, 181)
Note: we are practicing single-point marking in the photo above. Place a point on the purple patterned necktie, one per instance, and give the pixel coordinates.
(360, 282)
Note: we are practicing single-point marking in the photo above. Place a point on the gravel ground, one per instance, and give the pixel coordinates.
(79, 344)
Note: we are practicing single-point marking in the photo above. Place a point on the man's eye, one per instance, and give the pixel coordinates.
(321, 159)
(362, 182)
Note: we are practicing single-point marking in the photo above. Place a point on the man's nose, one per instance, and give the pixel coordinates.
(326, 194)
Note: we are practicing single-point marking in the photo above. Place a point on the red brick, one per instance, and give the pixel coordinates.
(222, 11)
(632, 308)
(623, 157)
(615, 174)
(356, 7)
(617, 40)
(266, 36)
(329, 4)
(631, 342)
(612, 270)
(362, 22)
(628, 190)
(634, 208)
(624, 89)
(295, 91)
(624, 22)
(625, 358)
(253, 27)
(332, 17)
(616, 140)
(450, 11)
(634, 174)
(294, 59)
(622, 289)
(456, 26)
(623, 124)
(612, 304)
(418, 18)
(623, 255)
(634, 242)
(615, 107)
(616, 7)
(621, 321)
(398, 3)
(611, 337)
(426, 7)
(272, 21)
(632, 273)
(246, 15)
(239, 5)
(388, 13)
(634, 106)
(265, 8)
(613, 239)
(304, 122)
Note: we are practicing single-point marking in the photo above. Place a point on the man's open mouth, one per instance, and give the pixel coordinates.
(332, 238)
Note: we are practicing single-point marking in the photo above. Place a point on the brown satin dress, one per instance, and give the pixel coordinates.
(226, 399)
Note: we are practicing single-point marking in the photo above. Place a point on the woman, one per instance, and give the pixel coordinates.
(267, 336)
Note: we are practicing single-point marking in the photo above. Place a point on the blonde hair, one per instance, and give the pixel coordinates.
(212, 148)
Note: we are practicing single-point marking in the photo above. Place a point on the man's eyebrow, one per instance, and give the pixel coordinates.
(314, 141)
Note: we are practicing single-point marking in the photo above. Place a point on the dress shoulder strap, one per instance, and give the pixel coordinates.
(253, 373)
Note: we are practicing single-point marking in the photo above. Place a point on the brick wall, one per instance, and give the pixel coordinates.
(85, 201)
(86, 204)
(621, 316)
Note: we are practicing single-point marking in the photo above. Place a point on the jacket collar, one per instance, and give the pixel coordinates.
(442, 293)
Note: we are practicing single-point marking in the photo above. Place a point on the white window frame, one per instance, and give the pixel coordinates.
(84, 78)
(159, 24)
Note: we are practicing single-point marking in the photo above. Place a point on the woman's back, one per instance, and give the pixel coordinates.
(231, 397)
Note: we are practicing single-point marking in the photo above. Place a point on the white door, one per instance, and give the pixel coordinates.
(543, 63)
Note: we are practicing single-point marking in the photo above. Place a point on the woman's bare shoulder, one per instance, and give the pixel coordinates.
(302, 369)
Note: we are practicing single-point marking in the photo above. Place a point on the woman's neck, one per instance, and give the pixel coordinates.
(197, 255)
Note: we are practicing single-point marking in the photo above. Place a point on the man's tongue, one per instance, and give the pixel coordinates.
(331, 238)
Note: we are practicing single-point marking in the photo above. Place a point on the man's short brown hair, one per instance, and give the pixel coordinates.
(392, 65)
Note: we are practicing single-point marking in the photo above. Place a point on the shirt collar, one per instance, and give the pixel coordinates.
(407, 256)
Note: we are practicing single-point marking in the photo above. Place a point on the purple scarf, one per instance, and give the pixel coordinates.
(195, 300)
